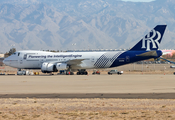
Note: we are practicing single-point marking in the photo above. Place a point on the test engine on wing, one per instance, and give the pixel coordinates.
(51, 67)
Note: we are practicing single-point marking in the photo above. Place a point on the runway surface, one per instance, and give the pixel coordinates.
(93, 86)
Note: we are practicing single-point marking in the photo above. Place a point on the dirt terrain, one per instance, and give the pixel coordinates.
(85, 109)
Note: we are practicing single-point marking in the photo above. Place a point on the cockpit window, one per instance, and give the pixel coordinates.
(14, 53)
(18, 54)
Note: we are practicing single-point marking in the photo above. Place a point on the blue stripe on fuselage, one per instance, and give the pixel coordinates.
(131, 57)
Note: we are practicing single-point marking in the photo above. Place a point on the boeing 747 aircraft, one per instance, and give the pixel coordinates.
(48, 62)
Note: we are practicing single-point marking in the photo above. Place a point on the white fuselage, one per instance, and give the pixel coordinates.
(35, 59)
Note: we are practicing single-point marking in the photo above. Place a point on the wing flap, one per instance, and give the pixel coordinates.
(69, 62)
(74, 61)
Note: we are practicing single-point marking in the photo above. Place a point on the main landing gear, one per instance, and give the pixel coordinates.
(82, 72)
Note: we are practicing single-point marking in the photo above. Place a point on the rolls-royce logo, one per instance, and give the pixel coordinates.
(152, 38)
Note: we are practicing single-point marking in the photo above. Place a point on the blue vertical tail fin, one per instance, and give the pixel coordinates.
(152, 40)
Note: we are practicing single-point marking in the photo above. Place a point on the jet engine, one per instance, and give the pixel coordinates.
(62, 66)
(50, 67)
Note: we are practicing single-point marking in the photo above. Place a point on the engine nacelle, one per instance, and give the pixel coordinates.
(62, 66)
(48, 67)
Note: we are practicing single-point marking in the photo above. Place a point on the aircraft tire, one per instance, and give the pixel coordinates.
(71, 73)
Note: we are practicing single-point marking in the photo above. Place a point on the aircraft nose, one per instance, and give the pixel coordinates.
(4, 61)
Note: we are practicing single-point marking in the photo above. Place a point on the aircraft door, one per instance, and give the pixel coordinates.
(20, 58)
(127, 59)
(41, 62)
(21, 61)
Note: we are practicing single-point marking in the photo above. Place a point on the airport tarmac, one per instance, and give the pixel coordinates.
(150, 86)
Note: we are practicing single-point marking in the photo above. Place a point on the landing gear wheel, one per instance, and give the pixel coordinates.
(71, 73)
(82, 72)
(78, 73)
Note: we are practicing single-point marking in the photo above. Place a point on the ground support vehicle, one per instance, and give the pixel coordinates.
(96, 72)
(65, 72)
(115, 72)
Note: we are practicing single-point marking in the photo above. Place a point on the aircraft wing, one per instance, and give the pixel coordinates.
(70, 62)
(74, 61)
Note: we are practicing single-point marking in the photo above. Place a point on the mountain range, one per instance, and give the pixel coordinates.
(99, 24)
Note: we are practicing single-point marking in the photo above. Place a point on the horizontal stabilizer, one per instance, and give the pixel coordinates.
(164, 53)
(150, 53)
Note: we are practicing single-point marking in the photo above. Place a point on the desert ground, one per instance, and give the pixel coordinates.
(127, 96)
(85, 109)
(146, 92)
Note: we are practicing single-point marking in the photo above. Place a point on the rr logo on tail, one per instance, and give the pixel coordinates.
(152, 40)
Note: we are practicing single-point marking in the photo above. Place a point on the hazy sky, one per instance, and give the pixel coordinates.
(139, 0)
